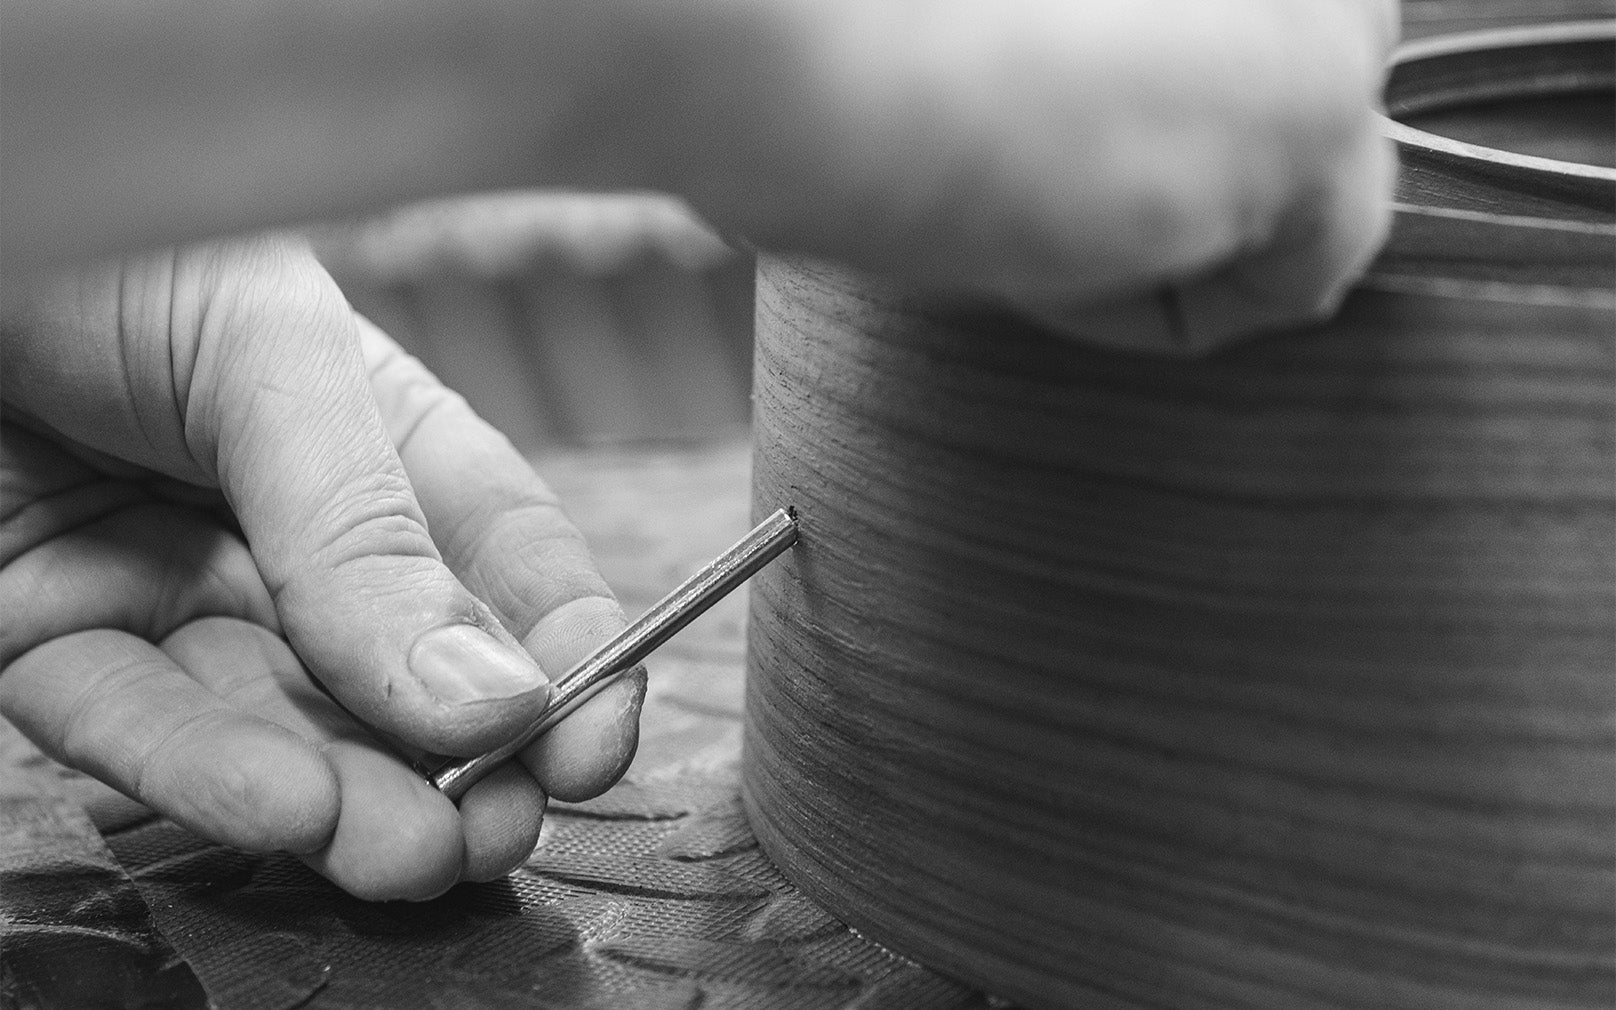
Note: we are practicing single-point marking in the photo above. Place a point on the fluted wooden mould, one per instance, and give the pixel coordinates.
(1283, 678)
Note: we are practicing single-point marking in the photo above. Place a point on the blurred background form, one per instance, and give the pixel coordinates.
(564, 318)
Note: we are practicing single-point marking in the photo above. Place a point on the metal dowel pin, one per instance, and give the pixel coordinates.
(763, 544)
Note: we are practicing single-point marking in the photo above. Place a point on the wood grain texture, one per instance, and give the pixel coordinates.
(1283, 678)
(1423, 18)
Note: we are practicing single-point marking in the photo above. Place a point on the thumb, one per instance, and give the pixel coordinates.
(279, 398)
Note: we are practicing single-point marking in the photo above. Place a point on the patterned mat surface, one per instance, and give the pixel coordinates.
(653, 896)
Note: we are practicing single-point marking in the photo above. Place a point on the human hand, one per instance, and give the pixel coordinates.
(1166, 175)
(1046, 152)
(209, 462)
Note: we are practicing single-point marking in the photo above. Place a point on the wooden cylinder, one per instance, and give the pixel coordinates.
(1282, 678)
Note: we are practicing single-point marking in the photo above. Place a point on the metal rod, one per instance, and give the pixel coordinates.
(766, 542)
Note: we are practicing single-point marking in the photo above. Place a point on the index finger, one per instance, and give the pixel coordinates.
(504, 534)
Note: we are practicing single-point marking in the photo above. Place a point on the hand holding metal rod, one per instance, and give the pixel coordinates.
(766, 542)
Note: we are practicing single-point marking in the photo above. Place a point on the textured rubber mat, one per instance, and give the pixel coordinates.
(655, 896)
(74, 931)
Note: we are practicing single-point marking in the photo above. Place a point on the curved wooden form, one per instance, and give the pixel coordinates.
(1282, 678)
(1493, 223)
(1480, 67)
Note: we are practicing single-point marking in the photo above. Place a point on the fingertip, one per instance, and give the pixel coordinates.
(590, 750)
(396, 837)
(1373, 202)
(1144, 323)
(1329, 240)
(500, 819)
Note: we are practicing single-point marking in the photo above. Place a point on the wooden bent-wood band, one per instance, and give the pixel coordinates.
(1279, 678)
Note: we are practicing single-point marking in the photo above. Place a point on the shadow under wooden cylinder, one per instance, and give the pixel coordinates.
(1280, 678)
